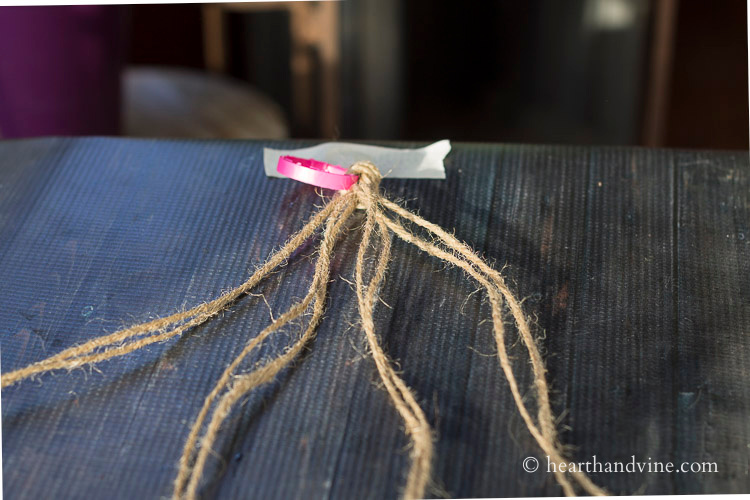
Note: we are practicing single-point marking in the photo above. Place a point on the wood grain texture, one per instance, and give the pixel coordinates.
(633, 262)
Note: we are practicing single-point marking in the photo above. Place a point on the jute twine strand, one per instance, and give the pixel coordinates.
(162, 329)
(417, 427)
(381, 218)
(264, 373)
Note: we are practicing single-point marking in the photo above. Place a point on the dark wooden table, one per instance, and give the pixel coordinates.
(634, 262)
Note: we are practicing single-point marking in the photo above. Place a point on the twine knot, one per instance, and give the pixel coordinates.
(369, 176)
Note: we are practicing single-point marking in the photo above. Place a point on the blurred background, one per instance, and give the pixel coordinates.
(667, 73)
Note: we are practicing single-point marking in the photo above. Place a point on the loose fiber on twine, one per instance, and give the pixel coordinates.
(382, 217)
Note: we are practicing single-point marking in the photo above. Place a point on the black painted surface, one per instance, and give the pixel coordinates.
(634, 263)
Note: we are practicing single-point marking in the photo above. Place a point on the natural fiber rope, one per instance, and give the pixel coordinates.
(417, 427)
(232, 387)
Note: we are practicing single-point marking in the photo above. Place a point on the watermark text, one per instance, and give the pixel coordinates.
(531, 464)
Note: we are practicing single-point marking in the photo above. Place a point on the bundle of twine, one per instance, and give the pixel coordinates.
(382, 217)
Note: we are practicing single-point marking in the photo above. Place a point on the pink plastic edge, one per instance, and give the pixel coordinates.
(315, 172)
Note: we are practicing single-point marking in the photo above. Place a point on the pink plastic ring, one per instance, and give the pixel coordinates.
(315, 172)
